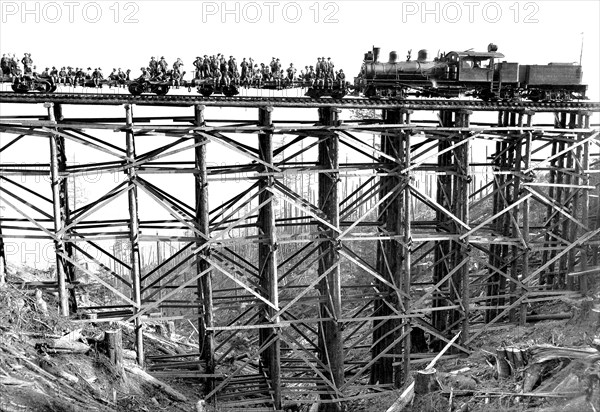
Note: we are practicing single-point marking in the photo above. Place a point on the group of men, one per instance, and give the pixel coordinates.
(158, 70)
(222, 71)
(216, 68)
(78, 76)
(10, 65)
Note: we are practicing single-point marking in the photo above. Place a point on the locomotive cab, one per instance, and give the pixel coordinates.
(472, 66)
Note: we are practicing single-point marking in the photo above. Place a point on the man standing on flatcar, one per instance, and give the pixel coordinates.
(153, 66)
(244, 70)
(4, 64)
(27, 63)
(14, 65)
(177, 64)
(163, 66)
(291, 73)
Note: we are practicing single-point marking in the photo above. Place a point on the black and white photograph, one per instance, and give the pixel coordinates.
(300, 206)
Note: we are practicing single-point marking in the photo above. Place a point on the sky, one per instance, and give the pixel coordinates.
(112, 34)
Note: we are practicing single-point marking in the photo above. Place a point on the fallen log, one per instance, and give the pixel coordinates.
(64, 346)
(156, 383)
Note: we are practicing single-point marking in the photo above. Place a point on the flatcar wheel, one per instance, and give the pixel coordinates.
(230, 91)
(135, 89)
(161, 90)
(43, 87)
(206, 91)
(18, 89)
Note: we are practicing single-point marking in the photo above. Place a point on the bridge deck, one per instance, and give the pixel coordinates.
(306, 102)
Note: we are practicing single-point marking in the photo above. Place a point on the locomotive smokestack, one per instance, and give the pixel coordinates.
(376, 51)
(393, 57)
(422, 56)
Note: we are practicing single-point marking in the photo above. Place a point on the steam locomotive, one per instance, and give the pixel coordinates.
(481, 75)
(478, 74)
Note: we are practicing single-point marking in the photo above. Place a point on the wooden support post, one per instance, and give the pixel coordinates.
(584, 122)
(526, 160)
(330, 331)
(406, 280)
(114, 348)
(391, 262)
(442, 247)
(134, 234)
(461, 210)
(204, 285)
(60, 203)
(267, 259)
(2, 257)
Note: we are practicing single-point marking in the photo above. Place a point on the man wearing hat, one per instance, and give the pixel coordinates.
(329, 65)
(153, 65)
(5, 65)
(162, 65)
(27, 63)
(198, 67)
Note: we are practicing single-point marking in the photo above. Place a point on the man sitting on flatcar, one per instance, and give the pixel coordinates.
(145, 74)
(176, 78)
(258, 75)
(62, 76)
(97, 76)
(340, 77)
(123, 77)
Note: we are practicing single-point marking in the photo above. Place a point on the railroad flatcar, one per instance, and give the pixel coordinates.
(482, 75)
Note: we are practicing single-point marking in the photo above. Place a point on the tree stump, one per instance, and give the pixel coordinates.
(502, 364)
(114, 348)
(426, 382)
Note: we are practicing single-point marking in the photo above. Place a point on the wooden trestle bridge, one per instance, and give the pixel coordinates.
(460, 257)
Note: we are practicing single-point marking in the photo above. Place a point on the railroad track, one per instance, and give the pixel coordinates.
(306, 102)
